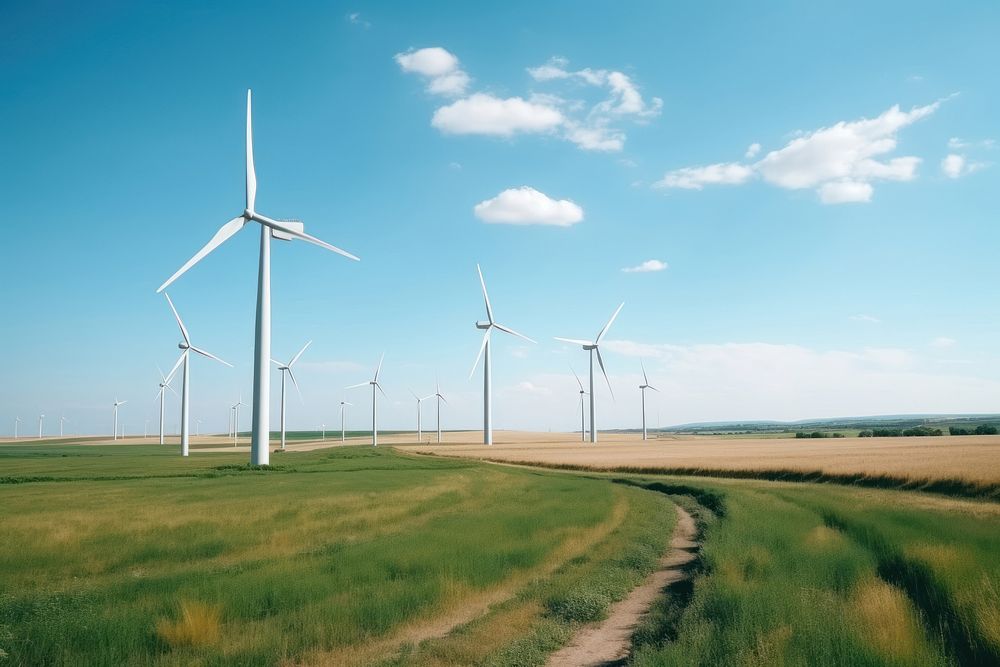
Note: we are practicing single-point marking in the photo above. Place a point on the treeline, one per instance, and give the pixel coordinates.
(982, 429)
(818, 434)
(916, 431)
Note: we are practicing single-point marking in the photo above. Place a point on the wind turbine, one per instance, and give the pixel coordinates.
(17, 422)
(375, 385)
(642, 392)
(197, 427)
(437, 394)
(343, 412)
(420, 400)
(117, 404)
(40, 419)
(61, 420)
(185, 358)
(236, 421)
(284, 230)
(484, 351)
(162, 395)
(287, 368)
(592, 347)
(583, 423)
(323, 426)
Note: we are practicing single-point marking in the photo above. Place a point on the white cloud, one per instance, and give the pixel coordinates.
(355, 19)
(695, 178)
(595, 138)
(956, 143)
(484, 114)
(943, 342)
(527, 206)
(752, 151)
(438, 65)
(953, 165)
(531, 388)
(842, 192)
(648, 266)
(865, 318)
(840, 162)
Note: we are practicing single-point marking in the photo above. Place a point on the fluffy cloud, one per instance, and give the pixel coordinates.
(439, 66)
(840, 162)
(695, 178)
(485, 114)
(752, 151)
(956, 166)
(527, 206)
(648, 266)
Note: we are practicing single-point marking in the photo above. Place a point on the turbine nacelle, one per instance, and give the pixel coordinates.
(483, 325)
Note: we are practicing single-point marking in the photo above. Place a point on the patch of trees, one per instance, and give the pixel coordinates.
(817, 434)
(916, 431)
(982, 429)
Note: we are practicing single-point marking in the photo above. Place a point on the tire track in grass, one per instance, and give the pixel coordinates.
(609, 642)
(940, 616)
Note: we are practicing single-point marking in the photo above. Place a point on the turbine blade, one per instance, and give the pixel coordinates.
(296, 357)
(227, 230)
(295, 384)
(486, 338)
(645, 380)
(608, 325)
(575, 341)
(442, 397)
(177, 364)
(577, 379)
(209, 355)
(251, 173)
(275, 362)
(606, 379)
(653, 388)
(512, 332)
(172, 390)
(160, 371)
(355, 386)
(489, 309)
(414, 395)
(184, 331)
(379, 369)
(275, 224)
(380, 389)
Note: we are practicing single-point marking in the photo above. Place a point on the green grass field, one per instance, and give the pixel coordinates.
(130, 555)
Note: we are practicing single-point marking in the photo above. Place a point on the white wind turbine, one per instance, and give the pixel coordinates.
(61, 421)
(642, 392)
(17, 422)
(437, 394)
(284, 230)
(162, 395)
(343, 419)
(323, 426)
(592, 347)
(484, 351)
(185, 358)
(41, 418)
(117, 404)
(197, 427)
(583, 421)
(420, 400)
(375, 385)
(236, 420)
(287, 368)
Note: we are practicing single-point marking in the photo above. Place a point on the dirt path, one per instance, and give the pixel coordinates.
(608, 641)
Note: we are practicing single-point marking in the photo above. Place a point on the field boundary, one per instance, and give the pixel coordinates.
(955, 488)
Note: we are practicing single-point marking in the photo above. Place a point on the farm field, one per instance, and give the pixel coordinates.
(970, 464)
(133, 556)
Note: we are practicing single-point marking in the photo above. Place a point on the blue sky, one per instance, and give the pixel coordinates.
(843, 267)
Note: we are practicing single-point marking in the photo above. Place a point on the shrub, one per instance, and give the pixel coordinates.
(986, 429)
(197, 626)
(579, 605)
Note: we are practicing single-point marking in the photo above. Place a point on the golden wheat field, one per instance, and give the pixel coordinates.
(974, 459)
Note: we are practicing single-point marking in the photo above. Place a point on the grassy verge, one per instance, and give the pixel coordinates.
(137, 557)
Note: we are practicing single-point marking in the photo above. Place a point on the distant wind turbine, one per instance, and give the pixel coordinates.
(437, 394)
(41, 418)
(375, 385)
(61, 420)
(185, 358)
(116, 406)
(592, 347)
(162, 395)
(17, 422)
(419, 401)
(583, 422)
(642, 392)
(343, 419)
(236, 421)
(197, 427)
(284, 230)
(484, 352)
(323, 426)
(287, 368)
